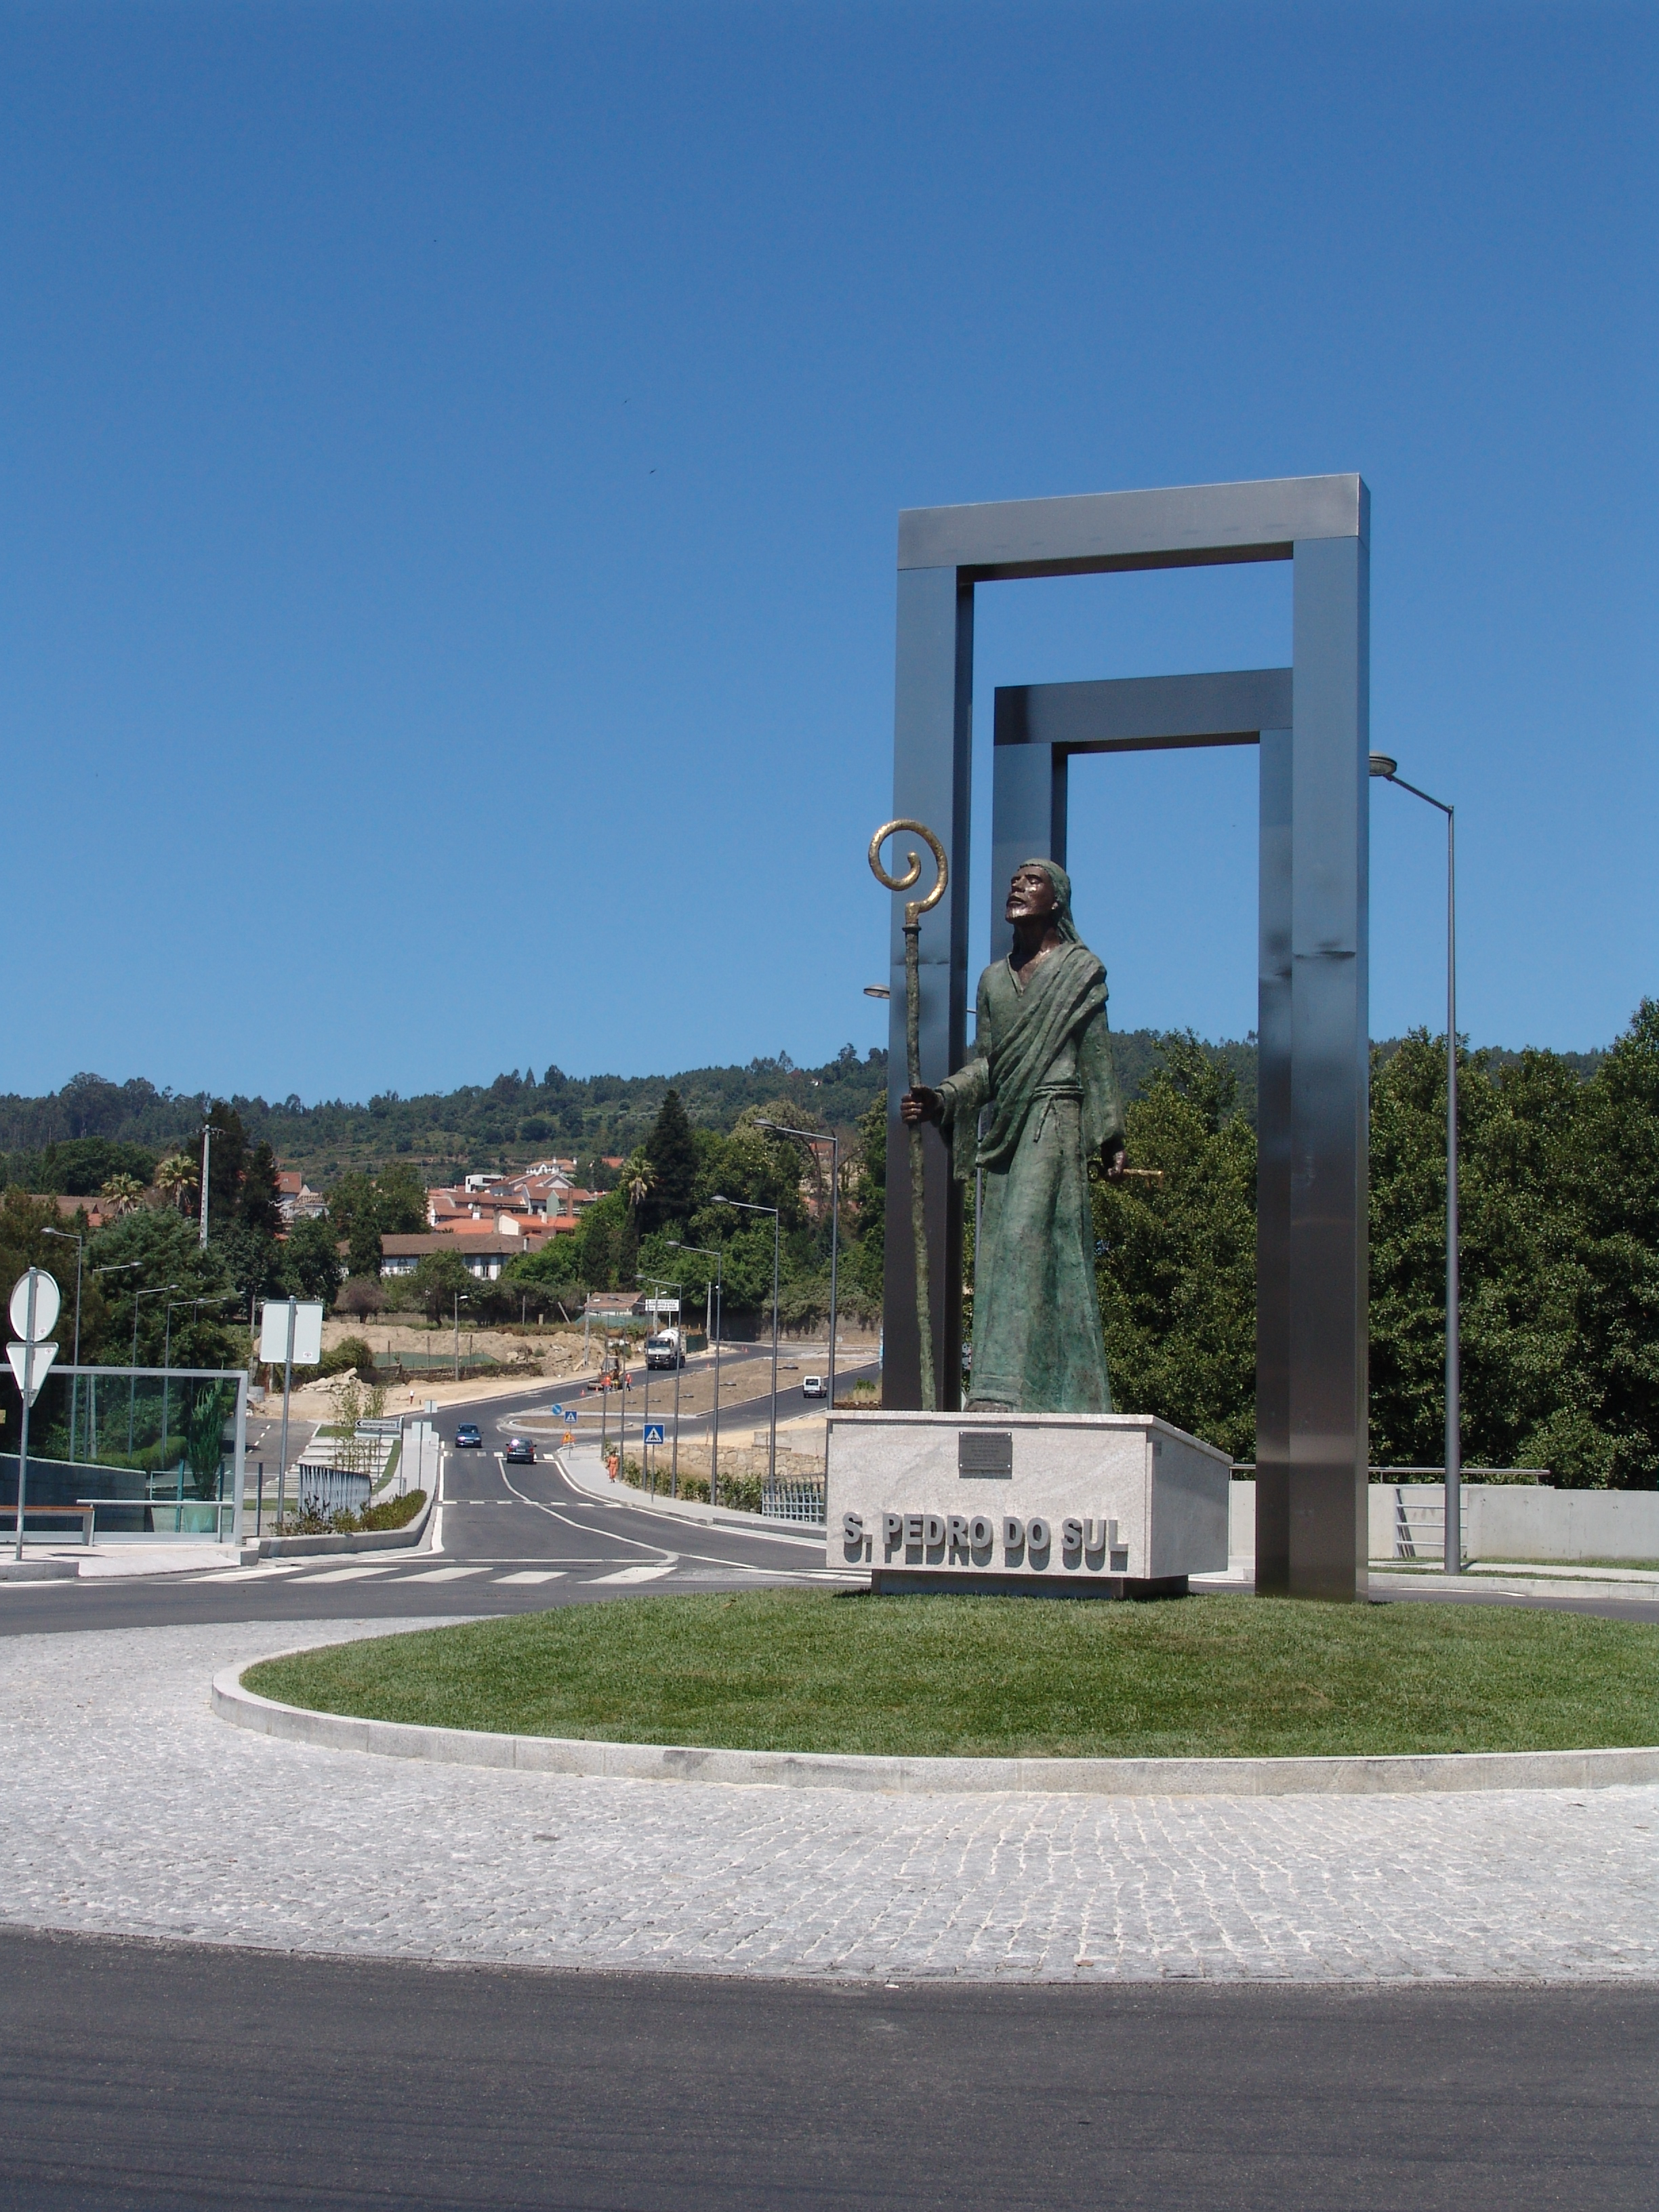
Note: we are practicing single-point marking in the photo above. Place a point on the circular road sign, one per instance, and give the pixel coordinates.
(47, 1304)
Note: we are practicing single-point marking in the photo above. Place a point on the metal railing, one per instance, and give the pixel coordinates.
(792, 1501)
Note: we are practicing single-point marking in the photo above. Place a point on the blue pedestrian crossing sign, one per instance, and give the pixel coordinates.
(654, 1432)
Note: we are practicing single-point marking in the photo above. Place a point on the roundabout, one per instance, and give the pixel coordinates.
(1211, 1694)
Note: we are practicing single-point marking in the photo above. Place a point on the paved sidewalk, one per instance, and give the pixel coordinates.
(127, 1808)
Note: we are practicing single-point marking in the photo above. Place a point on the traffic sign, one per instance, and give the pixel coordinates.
(46, 1304)
(654, 1432)
(44, 1356)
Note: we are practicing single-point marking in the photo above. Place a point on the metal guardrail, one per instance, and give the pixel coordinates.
(793, 1501)
(324, 1490)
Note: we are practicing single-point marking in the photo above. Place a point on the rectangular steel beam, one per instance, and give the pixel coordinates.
(1134, 714)
(1194, 526)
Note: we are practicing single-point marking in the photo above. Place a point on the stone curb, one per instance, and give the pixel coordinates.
(789, 1769)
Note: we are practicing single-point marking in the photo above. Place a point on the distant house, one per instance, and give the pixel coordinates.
(483, 1253)
(531, 1200)
(295, 1199)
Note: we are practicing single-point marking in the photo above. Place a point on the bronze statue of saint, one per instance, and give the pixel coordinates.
(1043, 1064)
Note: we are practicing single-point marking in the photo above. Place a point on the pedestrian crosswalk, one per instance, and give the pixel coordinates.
(398, 1573)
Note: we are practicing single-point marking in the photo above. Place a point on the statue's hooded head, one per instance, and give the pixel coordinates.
(1062, 883)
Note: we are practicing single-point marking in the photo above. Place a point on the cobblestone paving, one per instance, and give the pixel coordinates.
(127, 1807)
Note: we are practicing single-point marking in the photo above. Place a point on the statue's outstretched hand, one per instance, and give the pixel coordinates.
(919, 1105)
(1112, 1159)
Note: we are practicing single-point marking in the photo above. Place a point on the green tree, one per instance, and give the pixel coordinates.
(867, 1262)
(438, 1277)
(164, 1246)
(311, 1260)
(1532, 1390)
(78, 1166)
(256, 1206)
(671, 1153)
(363, 1246)
(1617, 1173)
(228, 1160)
(119, 1195)
(399, 1200)
(1175, 1259)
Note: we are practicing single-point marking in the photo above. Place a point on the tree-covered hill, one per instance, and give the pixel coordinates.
(74, 1139)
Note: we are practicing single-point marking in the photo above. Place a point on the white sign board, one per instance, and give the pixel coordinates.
(308, 1331)
(44, 1356)
(46, 1306)
(1058, 1501)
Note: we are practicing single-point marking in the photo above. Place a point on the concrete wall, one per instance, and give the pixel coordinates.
(1501, 1521)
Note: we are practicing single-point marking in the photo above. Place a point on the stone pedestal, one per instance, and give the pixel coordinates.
(1049, 1505)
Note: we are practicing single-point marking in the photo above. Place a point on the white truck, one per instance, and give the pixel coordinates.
(666, 1349)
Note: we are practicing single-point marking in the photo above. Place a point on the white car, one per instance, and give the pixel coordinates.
(814, 1386)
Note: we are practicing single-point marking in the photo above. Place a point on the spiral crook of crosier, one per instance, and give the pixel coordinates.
(914, 908)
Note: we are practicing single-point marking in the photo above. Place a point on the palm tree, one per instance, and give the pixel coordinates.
(120, 1195)
(638, 1176)
(175, 1177)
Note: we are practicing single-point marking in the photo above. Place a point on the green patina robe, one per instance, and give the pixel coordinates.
(1043, 1064)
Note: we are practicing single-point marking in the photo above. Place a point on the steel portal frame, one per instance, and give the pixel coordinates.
(1310, 722)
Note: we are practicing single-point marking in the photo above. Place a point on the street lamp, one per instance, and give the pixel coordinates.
(215, 1298)
(1386, 771)
(662, 1282)
(744, 1207)
(159, 1292)
(459, 1296)
(714, 1253)
(209, 1132)
(80, 1244)
(815, 1139)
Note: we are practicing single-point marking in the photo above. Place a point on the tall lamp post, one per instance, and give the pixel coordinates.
(744, 1207)
(815, 1138)
(160, 1292)
(213, 1298)
(714, 1253)
(209, 1132)
(1387, 771)
(80, 1244)
(662, 1282)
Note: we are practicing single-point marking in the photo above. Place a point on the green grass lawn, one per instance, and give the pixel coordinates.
(811, 1671)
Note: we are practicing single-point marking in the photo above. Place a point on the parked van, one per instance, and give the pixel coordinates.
(814, 1386)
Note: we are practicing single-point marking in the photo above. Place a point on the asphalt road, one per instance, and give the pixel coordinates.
(158, 2075)
(513, 1539)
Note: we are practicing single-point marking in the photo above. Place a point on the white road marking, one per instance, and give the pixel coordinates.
(533, 1575)
(355, 1574)
(636, 1574)
(442, 1574)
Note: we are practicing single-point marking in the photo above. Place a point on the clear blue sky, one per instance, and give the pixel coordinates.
(452, 459)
